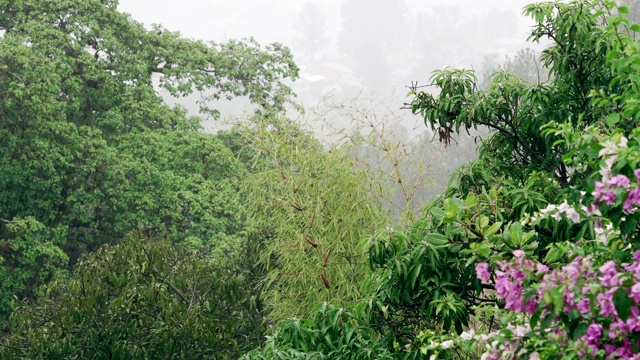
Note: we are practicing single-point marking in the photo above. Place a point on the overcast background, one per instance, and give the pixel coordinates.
(345, 46)
(357, 58)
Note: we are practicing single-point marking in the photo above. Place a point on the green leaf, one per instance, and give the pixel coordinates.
(546, 322)
(438, 213)
(471, 200)
(437, 239)
(622, 302)
(579, 330)
(554, 255)
(492, 229)
(534, 319)
(450, 208)
(415, 274)
(613, 119)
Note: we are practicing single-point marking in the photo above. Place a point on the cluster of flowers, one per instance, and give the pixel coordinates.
(589, 292)
(610, 187)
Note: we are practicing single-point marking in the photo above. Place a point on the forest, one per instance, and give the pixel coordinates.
(127, 231)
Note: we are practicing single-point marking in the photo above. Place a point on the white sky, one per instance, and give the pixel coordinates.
(270, 20)
(462, 45)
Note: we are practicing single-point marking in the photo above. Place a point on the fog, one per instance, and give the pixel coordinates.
(342, 46)
(357, 58)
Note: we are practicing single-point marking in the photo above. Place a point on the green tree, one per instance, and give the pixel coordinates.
(141, 299)
(312, 209)
(90, 151)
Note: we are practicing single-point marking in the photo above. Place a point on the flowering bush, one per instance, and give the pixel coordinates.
(590, 307)
(586, 312)
(587, 307)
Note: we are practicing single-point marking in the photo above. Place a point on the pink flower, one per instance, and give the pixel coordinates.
(482, 271)
(633, 322)
(632, 199)
(594, 209)
(608, 196)
(620, 181)
(531, 306)
(636, 172)
(509, 290)
(605, 300)
(542, 269)
(583, 306)
(609, 274)
(635, 292)
(592, 337)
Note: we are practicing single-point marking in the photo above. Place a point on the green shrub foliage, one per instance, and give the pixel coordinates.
(141, 299)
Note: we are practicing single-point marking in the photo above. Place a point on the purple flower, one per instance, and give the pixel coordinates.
(542, 269)
(605, 300)
(620, 181)
(592, 337)
(482, 271)
(632, 199)
(508, 290)
(531, 306)
(583, 306)
(633, 323)
(609, 268)
(635, 292)
(608, 196)
(636, 172)
(609, 274)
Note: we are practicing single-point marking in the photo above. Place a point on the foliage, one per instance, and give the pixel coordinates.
(143, 298)
(330, 333)
(314, 210)
(423, 278)
(91, 152)
(31, 256)
(578, 301)
(513, 110)
(399, 160)
(496, 213)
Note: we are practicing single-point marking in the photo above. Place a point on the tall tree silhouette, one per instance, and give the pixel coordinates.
(311, 30)
(372, 29)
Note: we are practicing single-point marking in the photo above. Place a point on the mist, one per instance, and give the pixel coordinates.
(357, 59)
(345, 46)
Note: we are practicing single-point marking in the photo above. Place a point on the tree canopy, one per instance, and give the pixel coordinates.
(128, 232)
(90, 150)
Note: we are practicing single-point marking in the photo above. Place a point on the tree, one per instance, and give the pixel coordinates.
(370, 31)
(144, 298)
(311, 25)
(515, 111)
(312, 209)
(91, 152)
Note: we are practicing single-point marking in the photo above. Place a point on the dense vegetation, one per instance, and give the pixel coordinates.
(128, 232)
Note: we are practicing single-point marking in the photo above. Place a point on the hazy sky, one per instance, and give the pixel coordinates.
(429, 34)
(370, 53)
(271, 20)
